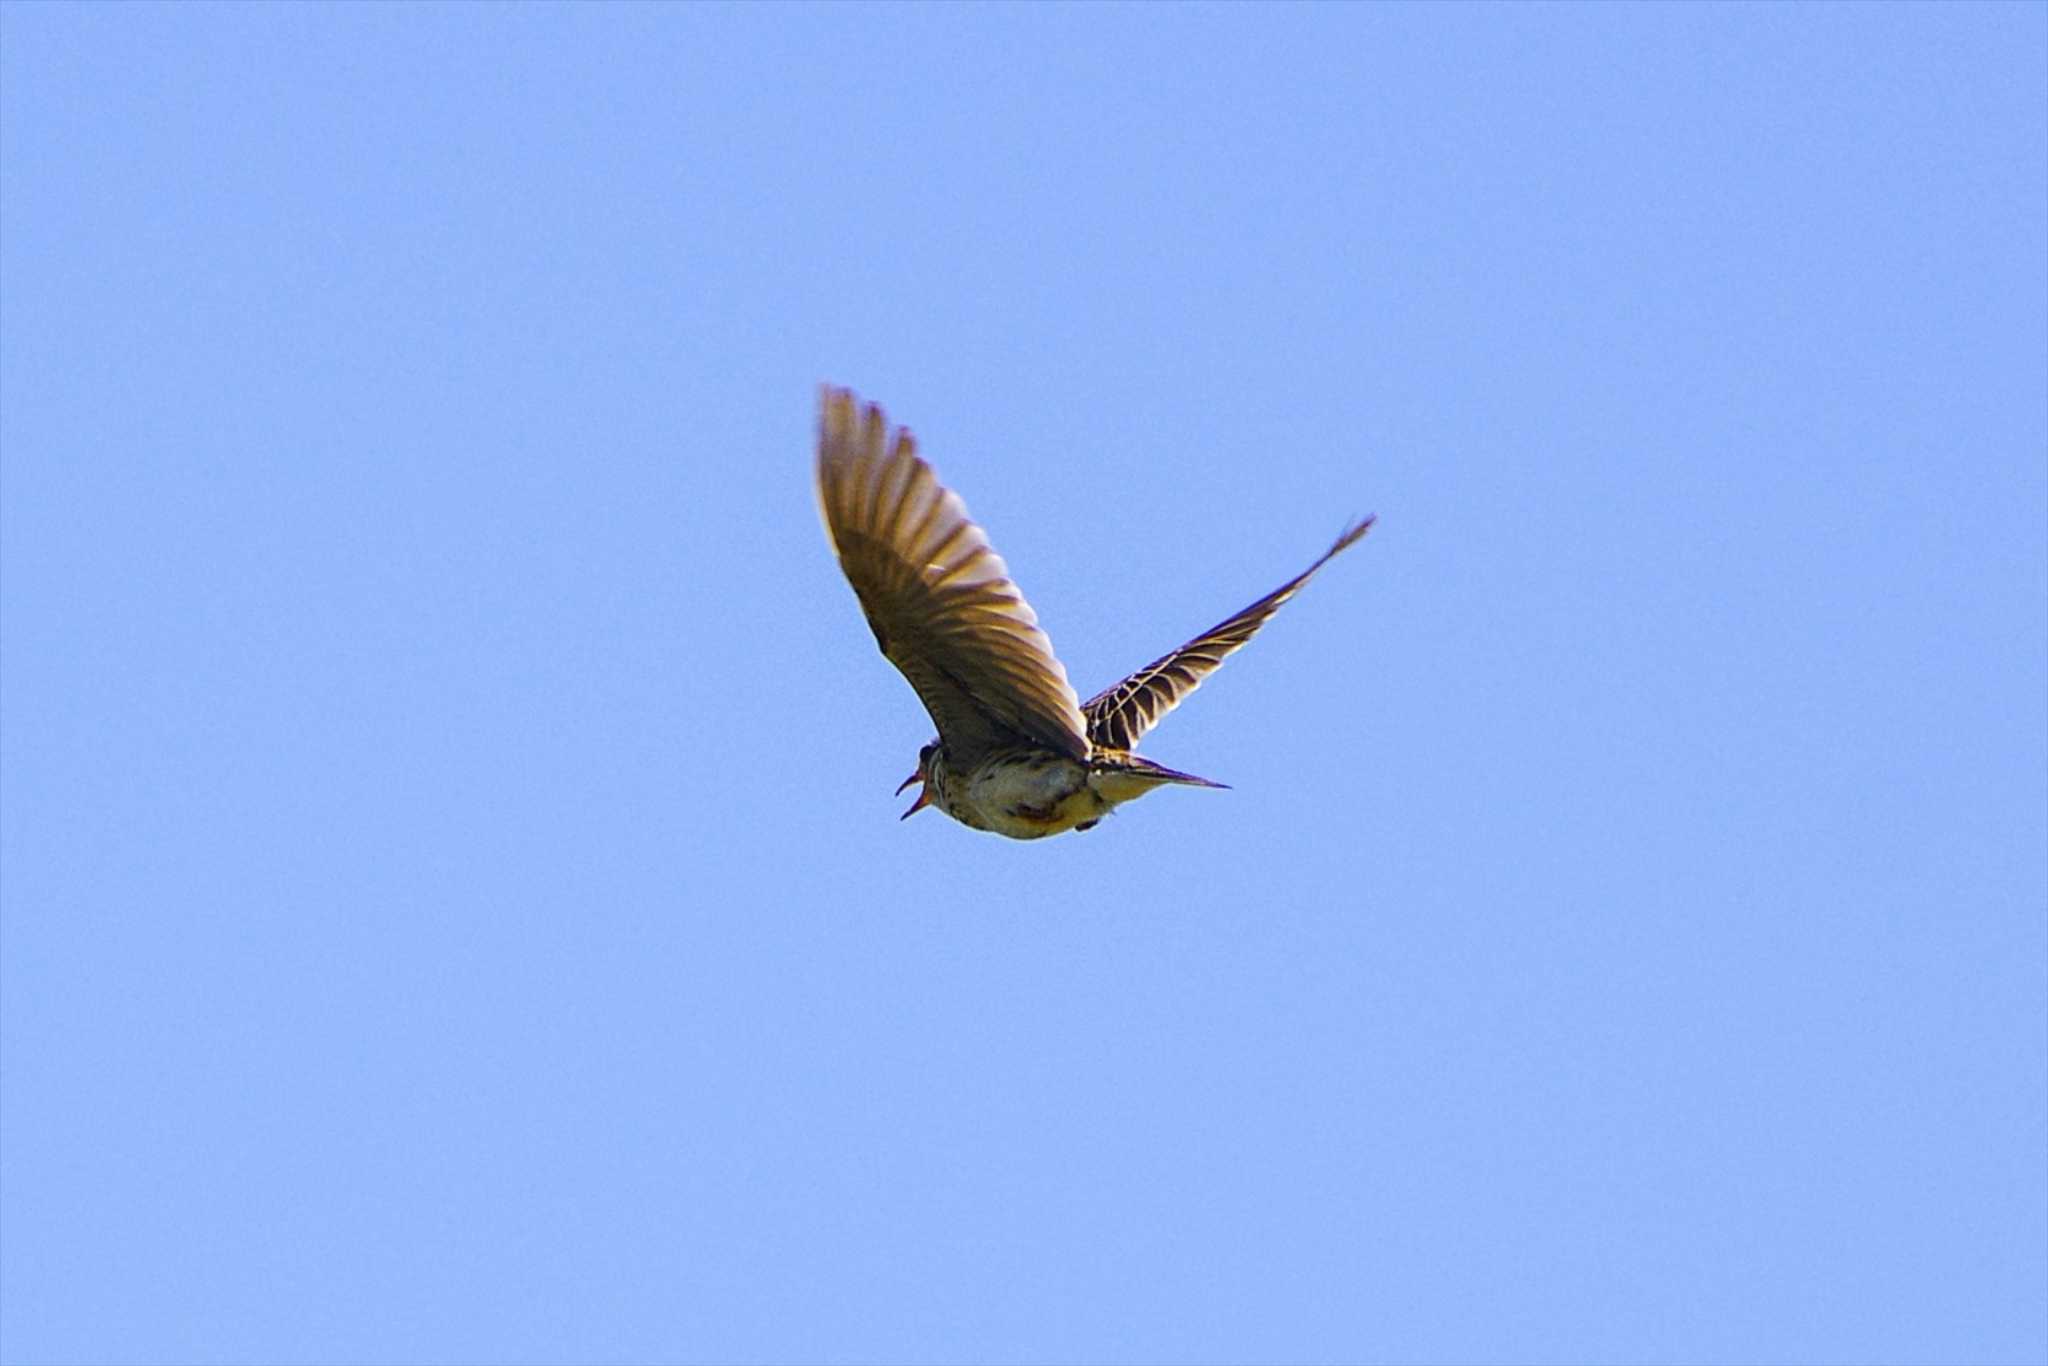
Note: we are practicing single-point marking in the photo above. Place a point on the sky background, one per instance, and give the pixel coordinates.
(454, 908)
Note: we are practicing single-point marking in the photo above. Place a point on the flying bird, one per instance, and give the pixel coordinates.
(1017, 753)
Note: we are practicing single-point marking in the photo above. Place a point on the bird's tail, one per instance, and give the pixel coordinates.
(1125, 775)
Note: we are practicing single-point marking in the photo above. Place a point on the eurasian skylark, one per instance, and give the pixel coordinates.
(1017, 753)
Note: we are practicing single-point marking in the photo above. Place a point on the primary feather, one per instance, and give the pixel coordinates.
(1121, 713)
(936, 594)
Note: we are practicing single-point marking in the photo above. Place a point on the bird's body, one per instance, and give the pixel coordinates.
(1027, 791)
(1017, 753)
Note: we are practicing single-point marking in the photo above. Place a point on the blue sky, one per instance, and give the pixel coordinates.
(454, 908)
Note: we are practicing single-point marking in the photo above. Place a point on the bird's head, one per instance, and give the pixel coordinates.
(926, 757)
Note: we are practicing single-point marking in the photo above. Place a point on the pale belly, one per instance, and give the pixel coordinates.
(1029, 797)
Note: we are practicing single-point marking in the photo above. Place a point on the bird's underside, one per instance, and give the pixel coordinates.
(1017, 753)
(1028, 792)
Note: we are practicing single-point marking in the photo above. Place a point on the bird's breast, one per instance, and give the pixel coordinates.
(1026, 794)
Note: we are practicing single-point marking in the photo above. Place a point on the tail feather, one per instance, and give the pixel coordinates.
(1142, 774)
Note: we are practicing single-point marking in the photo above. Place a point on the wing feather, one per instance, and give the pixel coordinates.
(1120, 714)
(936, 594)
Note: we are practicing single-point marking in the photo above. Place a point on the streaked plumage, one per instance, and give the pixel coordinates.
(1016, 753)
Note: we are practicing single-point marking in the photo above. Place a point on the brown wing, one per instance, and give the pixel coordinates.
(1118, 715)
(938, 596)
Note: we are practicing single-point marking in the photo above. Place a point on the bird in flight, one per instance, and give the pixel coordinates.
(1017, 753)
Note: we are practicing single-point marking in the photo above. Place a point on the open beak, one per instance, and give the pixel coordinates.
(923, 796)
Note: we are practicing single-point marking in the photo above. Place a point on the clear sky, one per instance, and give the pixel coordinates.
(454, 906)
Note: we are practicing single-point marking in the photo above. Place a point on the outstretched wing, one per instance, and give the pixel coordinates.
(936, 593)
(1118, 715)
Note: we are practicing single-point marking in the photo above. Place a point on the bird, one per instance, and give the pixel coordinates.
(1017, 753)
